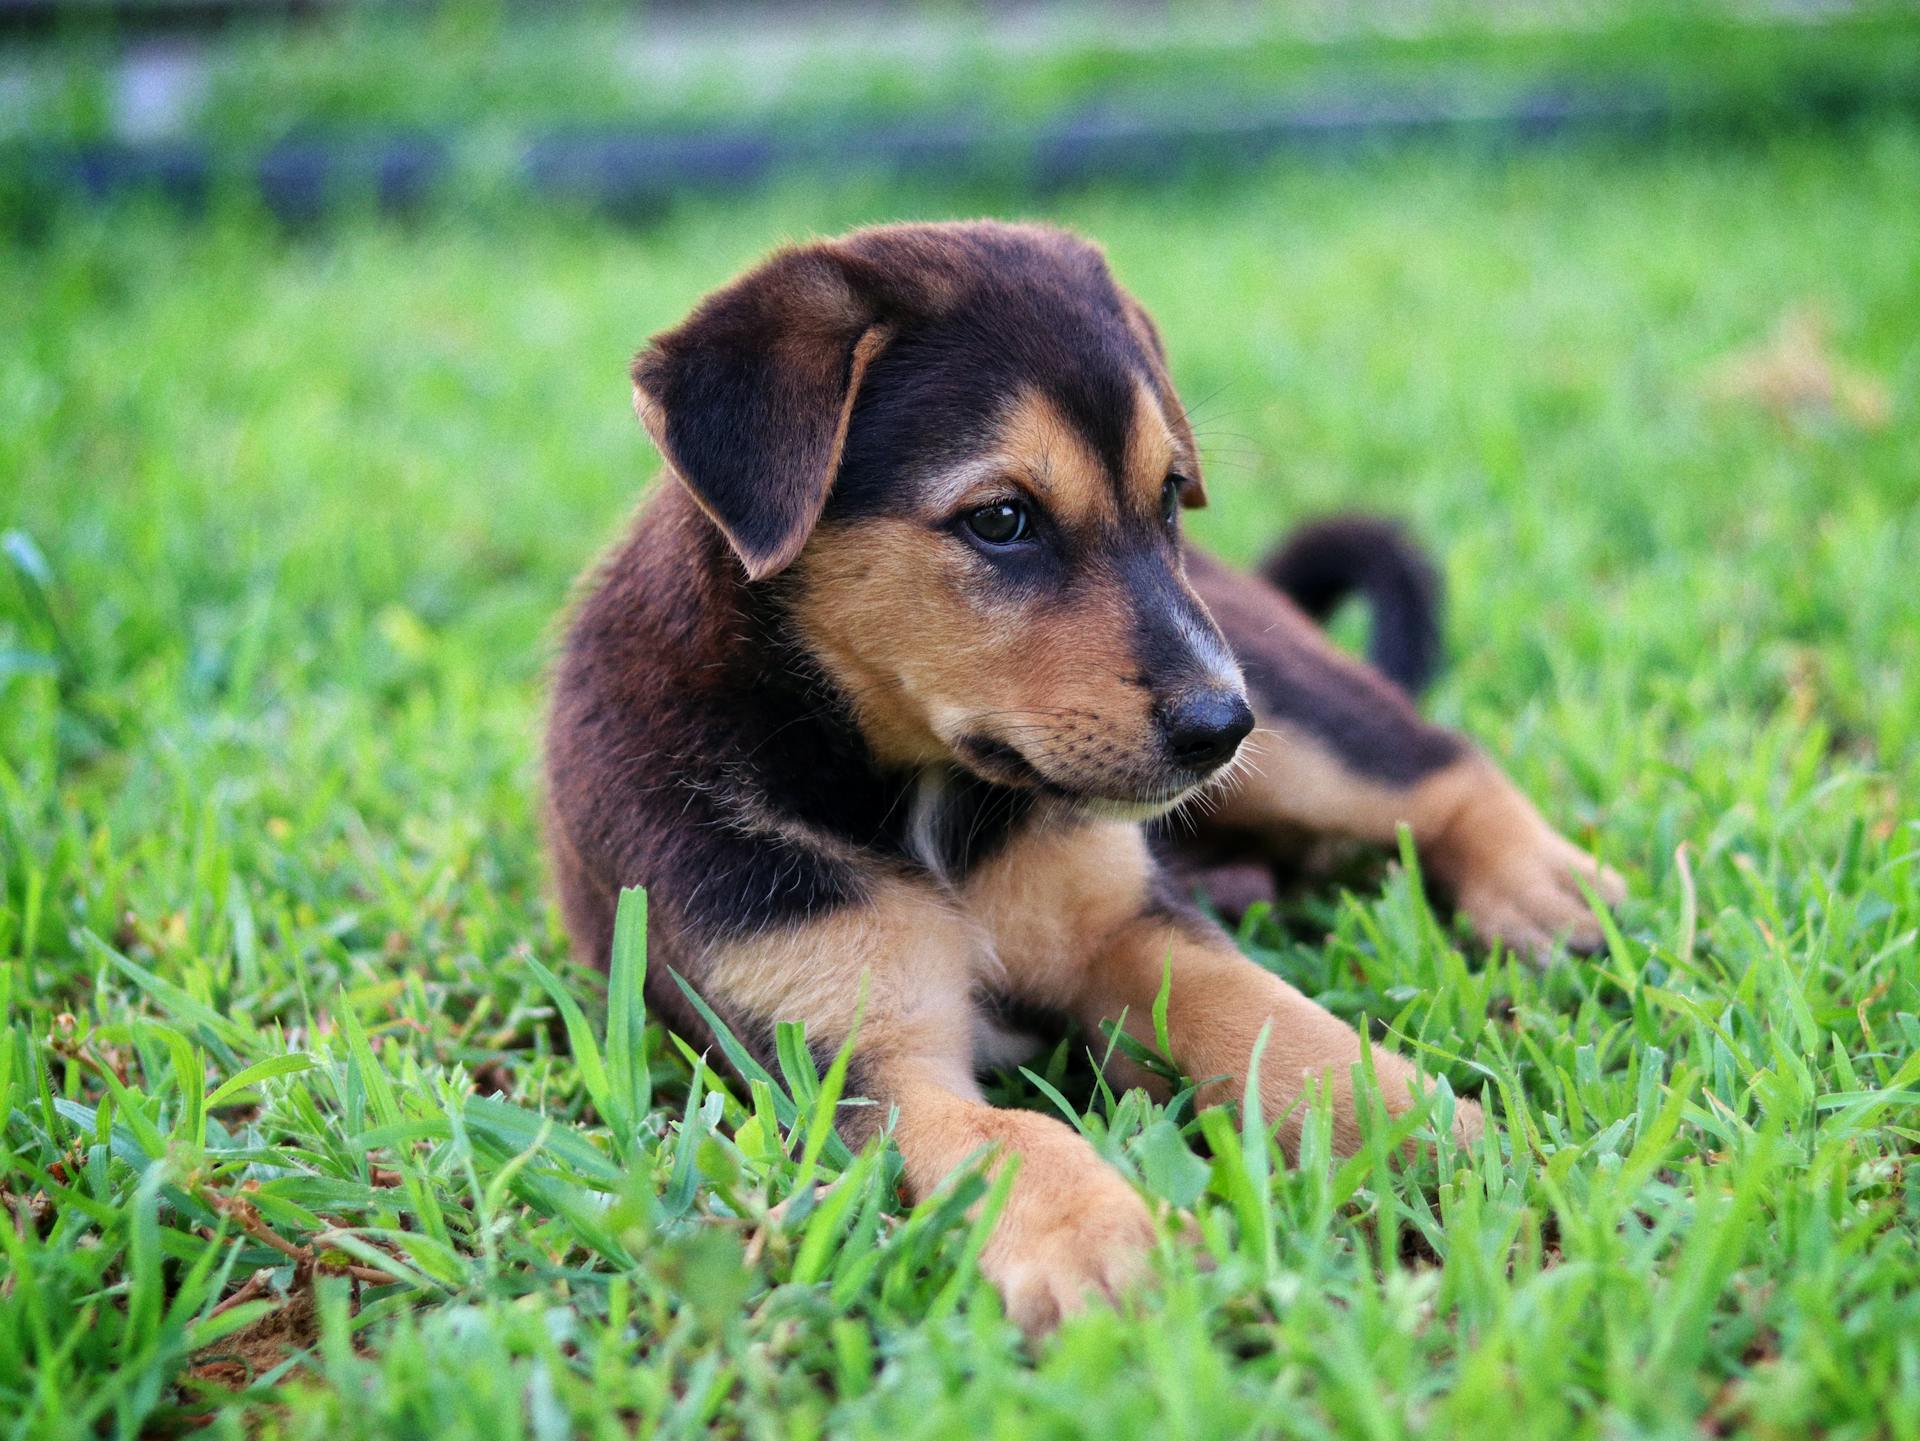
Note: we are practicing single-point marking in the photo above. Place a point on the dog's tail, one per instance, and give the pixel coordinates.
(1324, 562)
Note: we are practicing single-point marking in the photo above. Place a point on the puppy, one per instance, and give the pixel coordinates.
(879, 694)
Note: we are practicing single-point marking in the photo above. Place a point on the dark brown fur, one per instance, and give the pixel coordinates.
(871, 763)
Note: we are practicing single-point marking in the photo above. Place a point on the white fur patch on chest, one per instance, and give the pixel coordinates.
(997, 1045)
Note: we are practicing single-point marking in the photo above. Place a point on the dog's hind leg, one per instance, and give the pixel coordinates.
(1341, 751)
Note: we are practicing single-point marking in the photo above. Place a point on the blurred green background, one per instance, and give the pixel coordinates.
(637, 106)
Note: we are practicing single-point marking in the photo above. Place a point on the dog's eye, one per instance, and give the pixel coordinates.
(1002, 523)
(1170, 499)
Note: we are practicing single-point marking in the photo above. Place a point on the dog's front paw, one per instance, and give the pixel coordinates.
(1058, 1247)
(1517, 880)
(1469, 1123)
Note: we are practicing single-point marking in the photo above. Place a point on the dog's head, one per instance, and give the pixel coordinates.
(958, 448)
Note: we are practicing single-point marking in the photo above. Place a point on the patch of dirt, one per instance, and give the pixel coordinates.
(236, 1361)
(1795, 375)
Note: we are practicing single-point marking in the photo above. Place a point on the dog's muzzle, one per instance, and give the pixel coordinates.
(1203, 729)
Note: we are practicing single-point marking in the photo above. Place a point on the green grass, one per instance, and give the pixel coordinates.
(293, 519)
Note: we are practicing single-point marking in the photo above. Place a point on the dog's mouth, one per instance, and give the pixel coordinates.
(1005, 764)
(996, 760)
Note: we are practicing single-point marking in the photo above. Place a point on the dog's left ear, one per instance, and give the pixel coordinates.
(749, 398)
(1148, 334)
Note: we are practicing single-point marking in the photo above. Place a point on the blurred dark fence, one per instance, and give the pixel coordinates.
(136, 18)
(1824, 67)
(635, 174)
(53, 18)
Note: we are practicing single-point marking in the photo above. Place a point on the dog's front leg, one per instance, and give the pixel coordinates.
(902, 967)
(1219, 1002)
(1084, 927)
(1071, 1229)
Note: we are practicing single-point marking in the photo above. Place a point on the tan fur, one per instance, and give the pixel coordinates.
(1515, 877)
(1505, 868)
(1153, 450)
(905, 624)
(1058, 921)
(1068, 916)
(867, 595)
(903, 967)
(1218, 1004)
(929, 655)
(1039, 451)
(1174, 413)
(1478, 837)
(1054, 898)
(1072, 1230)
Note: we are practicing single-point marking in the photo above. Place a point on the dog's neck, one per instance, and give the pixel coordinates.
(814, 762)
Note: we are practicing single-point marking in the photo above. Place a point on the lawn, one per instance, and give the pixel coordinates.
(293, 516)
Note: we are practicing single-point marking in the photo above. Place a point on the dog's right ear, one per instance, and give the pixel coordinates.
(748, 399)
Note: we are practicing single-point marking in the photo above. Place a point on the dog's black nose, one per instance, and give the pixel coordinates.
(1205, 727)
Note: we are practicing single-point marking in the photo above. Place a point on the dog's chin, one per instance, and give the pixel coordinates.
(1106, 808)
(1004, 764)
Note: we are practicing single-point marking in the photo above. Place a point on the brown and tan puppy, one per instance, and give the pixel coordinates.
(878, 698)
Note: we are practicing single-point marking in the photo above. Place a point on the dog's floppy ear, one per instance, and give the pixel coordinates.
(1148, 334)
(749, 398)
